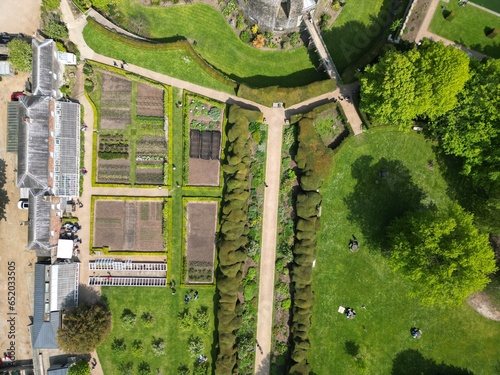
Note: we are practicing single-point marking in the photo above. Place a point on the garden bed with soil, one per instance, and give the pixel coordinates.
(149, 100)
(128, 225)
(116, 96)
(201, 227)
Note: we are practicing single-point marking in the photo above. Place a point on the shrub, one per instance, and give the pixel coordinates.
(286, 304)
(128, 319)
(196, 346)
(449, 15)
(202, 320)
(183, 370)
(79, 368)
(186, 319)
(214, 113)
(126, 368)
(158, 346)
(118, 345)
(137, 348)
(245, 36)
(492, 33)
(60, 47)
(258, 41)
(147, 319)
(250, 290)
(144, 368)
(240, 23)
(20, 55)
(89, 85)
(55, 29)
(88, 69)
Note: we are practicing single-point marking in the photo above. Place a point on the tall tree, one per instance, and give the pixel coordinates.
(442, 253)
(20, 55)
(84, 328)
(471, 133)
(421, 82)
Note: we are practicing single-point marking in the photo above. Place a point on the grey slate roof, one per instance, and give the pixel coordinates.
(33, 142)
(58, 370)
(47, 71)
(44, 329)
(39, 221)
(61, 291)
(67, 149)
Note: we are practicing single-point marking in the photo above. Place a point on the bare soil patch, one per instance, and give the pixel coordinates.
(20, 16)
(482, 304)
(416, 19)
(201, 228)
(116, 96)
(149, 100)
(126, 225)
(203, 172)
(113, 171)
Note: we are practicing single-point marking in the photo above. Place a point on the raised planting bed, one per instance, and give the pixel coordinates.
(201, 227)
(124, 224)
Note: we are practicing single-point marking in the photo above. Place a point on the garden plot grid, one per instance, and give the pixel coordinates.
(201, 227)
(131, 144)
(129, 225)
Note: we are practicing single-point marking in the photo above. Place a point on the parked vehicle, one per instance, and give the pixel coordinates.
(23, 204)
(16, 95)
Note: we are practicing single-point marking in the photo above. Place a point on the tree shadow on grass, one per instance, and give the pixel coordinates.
(384, 190)
(411, 362)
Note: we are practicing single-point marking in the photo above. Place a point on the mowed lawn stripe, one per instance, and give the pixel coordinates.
(218, 44)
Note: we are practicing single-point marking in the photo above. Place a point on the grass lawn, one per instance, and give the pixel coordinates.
(468, 28)
(164, 308)
(379, 337)
(175, 63)
(356, 29)
(221, 47)
(494, 5)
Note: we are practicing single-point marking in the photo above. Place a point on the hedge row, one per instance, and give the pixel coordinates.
(171, 46)
(233, 235)
(287, 95)
(313, 160)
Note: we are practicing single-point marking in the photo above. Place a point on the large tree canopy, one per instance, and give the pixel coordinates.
(422, 82)
(442, 253)
(84, 329)
(20, 55)
(472, 130)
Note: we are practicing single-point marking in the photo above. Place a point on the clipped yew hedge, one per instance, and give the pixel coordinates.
(314, 161)
(287, 95)
(233, 235)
